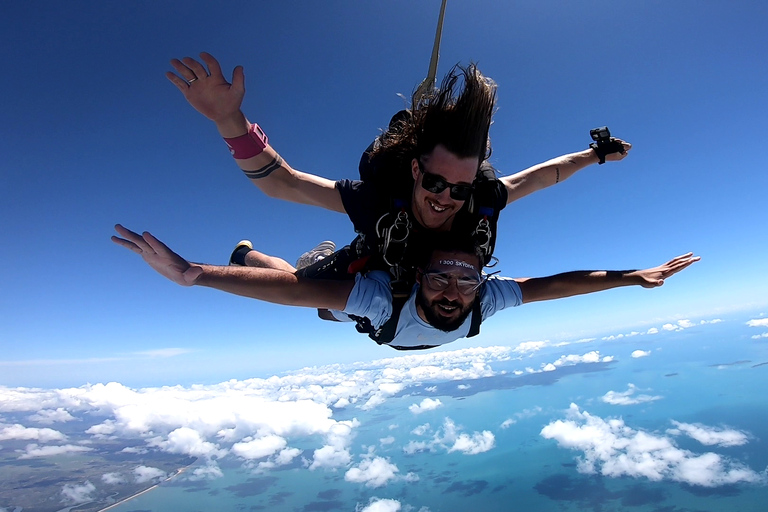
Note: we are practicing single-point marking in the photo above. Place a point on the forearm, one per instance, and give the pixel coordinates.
(276, 286)
(547, 173)
(573, 283)
(275, 178)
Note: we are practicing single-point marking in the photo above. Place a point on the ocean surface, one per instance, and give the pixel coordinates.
(672, 419)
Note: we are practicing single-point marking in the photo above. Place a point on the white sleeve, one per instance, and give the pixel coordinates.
(499, 293)
(371, 297)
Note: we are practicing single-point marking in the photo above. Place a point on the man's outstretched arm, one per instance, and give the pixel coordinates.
(553, 171)
(265, 284)
(589, 281)
(218, 100)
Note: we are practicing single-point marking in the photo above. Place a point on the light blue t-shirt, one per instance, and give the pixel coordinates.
(371, 297)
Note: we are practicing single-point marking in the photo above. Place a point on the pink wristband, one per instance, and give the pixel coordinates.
(248, 145)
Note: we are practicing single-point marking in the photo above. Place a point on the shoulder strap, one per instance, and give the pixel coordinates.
(477, 319)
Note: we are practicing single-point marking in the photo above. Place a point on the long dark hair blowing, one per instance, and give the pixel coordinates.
(457, 115)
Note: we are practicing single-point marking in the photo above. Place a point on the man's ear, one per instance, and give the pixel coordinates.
(415, 169)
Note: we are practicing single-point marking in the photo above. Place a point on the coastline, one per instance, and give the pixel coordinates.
(144, 491)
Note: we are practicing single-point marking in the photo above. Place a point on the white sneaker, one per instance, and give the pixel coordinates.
(323, 250)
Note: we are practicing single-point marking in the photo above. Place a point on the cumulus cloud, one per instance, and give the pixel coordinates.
(450, 438)
(421, 430)
(478, 442)
(208, 471)
(379, 505)
(113, 478)
(710, 435)
(627, 398)
(143, 474)
(508, 423)
(22, 433)
(613, 449)
(385, 441)
(372, 471)
(758, 322)
(50, 416)
(759, 336)
(187, 441)
(330, 457)
(640, 353)
(33, 450)
(78, 494)
(653, 330)
(529, 346)
(428, 404)
(260, 447)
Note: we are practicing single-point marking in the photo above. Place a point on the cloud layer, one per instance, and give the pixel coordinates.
(611, 448)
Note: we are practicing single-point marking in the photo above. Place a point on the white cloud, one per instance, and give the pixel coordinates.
(611, 448)
(428, 404)
(626, 398)
(421, 429)
(385, 441)
(113, 478)
(653, 330)
(685, 324)
(451, 439)
(759, 336)
(379, 505)
(330, 457)
(525, 413)
(22, 433)
(479, 442)
(78, 494)
(758, 322)
(50, 416)
(529, 346)
(372, 471)
(640, 353)
(143, 474)
(208, 471)
(671, 327)
(33, 450)
(259, 447)
(710, 435)
(189, 442)
(463, 386)
(416, 447)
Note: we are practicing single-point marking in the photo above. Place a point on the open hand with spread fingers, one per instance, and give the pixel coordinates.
(158, 256)
(207, 90)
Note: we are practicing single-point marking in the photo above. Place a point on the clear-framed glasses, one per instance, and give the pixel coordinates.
(439, 281)
(436, 184)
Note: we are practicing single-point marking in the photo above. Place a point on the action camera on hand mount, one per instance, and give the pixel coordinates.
(604, 144)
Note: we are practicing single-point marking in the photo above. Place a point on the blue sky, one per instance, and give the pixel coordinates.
(93, 134)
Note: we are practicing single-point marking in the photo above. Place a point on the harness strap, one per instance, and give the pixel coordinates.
(477, 319)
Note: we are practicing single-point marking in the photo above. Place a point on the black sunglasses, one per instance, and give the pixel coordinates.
(435, 184)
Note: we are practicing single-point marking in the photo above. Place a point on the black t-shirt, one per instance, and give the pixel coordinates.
(365, 207)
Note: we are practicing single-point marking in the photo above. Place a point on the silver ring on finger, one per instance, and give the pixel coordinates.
(191, 80)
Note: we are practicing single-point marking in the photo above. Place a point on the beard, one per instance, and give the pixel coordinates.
(434, 315)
